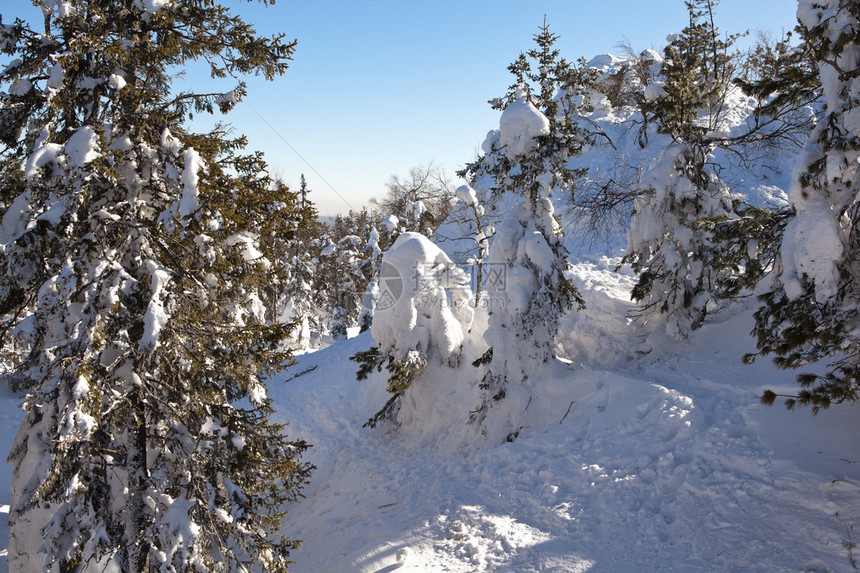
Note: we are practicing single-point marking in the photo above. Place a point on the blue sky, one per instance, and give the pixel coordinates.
(378, 87)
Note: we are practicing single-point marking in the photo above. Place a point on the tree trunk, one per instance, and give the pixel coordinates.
(135, 530)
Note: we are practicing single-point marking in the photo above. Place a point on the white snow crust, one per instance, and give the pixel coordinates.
(156, 316)
(190, 177)
(82, 147)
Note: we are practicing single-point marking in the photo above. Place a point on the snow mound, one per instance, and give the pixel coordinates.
(423, 301)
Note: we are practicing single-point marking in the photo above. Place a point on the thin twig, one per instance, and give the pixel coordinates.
(302, 373)
(527, 405)
(568, 411)
(849, 545)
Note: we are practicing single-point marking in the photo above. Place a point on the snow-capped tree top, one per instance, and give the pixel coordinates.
(467, 195)
(392, 222)
(520, 123)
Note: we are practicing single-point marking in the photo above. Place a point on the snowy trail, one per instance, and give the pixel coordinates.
(671, 465)
(665, 463)
(672, 468)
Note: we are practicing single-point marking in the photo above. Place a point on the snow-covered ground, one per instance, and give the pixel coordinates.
(634, 462)
(626, 462)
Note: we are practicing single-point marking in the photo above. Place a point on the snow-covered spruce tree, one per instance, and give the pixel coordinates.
(527, 157)
(671, 256)
(784, 81)
(340, 269)
(128, 263)
(422, 313)
(295, 296)
(812, 312)
(371, 268)
(282, 229)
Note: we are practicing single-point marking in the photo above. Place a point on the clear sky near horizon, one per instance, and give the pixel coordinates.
(378, 87)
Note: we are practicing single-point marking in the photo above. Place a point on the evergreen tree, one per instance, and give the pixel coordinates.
(676, 282)
(339, 272)
(527, 157)
(347, 287)
(296, 294)
(810, 312)
(308, 214)
(130, 260)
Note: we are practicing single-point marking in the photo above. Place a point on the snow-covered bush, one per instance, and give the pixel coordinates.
(672, 255)
(677, 279)
(422, 312)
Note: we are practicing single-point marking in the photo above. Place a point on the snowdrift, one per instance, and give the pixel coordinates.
(665, 461)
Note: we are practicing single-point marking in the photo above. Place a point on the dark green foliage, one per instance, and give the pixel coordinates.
(808, 318)
(484, 359)
(745, 247)
(129, 314)
(697, 71)
(402, 374)
(791, 331)
(780, 75)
